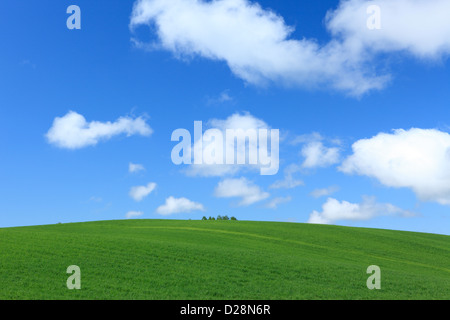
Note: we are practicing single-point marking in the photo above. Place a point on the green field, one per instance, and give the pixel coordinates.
(220, 260)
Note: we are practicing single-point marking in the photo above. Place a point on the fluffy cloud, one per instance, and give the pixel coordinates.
(178, 205)
(140, 192)
(334, 210)
(256, 43)
(317, 155)
(133, 214)
(417, 158)
(72, 131)
(240, 188)
(241, 124)
(419, 27)
(315, 152)
(134, 167)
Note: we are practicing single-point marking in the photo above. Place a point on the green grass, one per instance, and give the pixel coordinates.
(220, 260)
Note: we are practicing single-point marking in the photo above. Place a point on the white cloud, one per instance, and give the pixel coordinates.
(334, 210)
(314, 151)
(241, 123)
(133, 214)
(317, 155)
(254, 42)
(72, 131)
(273, 204)
(257, 46)
(289, 182)
(317, 193)
(417, 158)
(419, 27)
(140, 192)
(134, 167)
(178, 205)
(240, 188)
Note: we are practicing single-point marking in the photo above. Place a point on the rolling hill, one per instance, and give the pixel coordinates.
(220, 260)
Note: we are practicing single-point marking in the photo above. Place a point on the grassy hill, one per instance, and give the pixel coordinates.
(220, 260)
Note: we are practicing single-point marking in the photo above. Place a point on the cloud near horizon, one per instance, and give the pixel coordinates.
(178, 205)
(418, 159)
(334, 210)
(133, 214)
(240, 188)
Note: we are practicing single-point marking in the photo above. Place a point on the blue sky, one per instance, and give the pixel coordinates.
(170, 66)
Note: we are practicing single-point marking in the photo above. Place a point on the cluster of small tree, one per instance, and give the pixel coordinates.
(219, 217)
